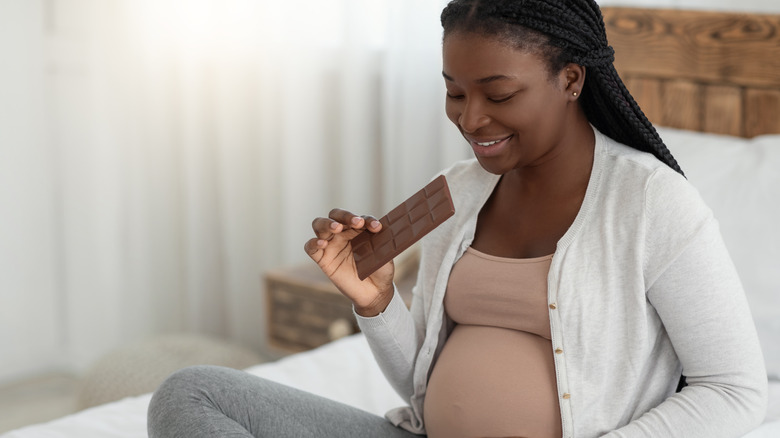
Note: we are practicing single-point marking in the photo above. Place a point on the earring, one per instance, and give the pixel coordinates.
(574, 94)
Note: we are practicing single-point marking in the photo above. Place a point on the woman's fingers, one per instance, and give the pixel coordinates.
(313, 246)
(372, 224)
(340, 220)
(337, 222)
(347, 219)
(351, 220)
(325, 228)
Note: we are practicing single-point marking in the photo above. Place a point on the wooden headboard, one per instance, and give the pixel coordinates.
(715, 72)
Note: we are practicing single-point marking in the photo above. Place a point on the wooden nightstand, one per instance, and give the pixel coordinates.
(305, 310)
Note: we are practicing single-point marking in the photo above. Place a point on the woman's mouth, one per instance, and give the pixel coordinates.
(489, 148)
(490, 143)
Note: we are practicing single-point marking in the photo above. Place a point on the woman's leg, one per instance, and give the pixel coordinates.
(209, 401)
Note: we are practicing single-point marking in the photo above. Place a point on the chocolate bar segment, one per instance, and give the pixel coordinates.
(403, 226)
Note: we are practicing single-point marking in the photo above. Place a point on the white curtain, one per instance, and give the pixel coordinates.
(193, 141)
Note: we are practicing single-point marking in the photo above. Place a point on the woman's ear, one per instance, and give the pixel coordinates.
(575, 80)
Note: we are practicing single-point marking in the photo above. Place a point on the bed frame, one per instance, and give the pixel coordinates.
(716, 72)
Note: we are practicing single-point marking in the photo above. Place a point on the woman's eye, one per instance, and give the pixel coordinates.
(501, 99)
(454, 96)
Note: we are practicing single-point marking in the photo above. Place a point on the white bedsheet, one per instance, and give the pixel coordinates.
(343, 370)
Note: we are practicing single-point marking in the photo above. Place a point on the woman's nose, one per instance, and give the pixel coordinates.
(472, 117)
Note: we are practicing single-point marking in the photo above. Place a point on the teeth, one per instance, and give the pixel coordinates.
(489, 143)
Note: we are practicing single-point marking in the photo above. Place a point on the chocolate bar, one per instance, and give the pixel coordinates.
(403, 226)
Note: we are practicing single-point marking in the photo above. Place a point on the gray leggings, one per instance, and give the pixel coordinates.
(210, 401)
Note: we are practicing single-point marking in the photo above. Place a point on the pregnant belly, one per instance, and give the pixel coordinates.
(493, 382)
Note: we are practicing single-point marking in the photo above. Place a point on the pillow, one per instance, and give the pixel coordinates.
(740, 180)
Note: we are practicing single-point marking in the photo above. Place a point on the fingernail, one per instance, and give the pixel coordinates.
(356, 220)
(375, 224)
(334, 225)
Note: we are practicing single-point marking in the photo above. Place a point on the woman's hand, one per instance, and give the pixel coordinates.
(332, 250)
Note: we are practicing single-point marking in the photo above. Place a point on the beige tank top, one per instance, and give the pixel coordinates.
(495, 376)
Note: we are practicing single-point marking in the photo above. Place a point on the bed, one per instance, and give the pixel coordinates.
(711, 82)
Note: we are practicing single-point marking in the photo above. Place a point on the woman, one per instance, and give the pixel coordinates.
(580, 275)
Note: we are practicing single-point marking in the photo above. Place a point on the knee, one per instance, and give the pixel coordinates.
(181, 384)
(174, 399)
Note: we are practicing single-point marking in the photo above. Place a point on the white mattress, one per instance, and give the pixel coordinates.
(343, 370)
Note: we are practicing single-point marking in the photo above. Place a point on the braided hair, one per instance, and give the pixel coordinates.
(566, 31)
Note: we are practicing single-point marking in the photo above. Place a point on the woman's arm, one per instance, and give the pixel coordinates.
(381, 313)
(395, 339)
(698, 296)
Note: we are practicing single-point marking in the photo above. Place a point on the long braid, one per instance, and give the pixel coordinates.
(573, 31)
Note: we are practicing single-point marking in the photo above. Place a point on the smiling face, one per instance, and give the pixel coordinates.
(507, 104)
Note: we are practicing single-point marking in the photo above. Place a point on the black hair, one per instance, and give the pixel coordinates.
(566, 31)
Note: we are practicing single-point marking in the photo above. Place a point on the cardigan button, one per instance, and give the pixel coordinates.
(566, 395)
(553, 306)
(558, 351)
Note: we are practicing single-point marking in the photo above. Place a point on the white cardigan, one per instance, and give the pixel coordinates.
(641, 287)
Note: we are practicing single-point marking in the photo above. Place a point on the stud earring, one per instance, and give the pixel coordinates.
(574, 94)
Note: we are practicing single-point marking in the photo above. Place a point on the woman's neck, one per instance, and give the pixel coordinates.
(566, 171)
